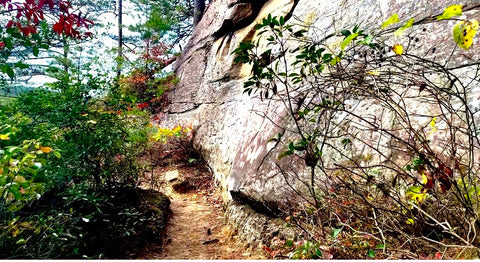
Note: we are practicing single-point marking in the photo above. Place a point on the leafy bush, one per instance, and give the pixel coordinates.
(142, 90)
(67, 150)
(99, 142)
(411, 177)
(81, 222)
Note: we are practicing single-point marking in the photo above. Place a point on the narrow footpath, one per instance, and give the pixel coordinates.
(197, 228)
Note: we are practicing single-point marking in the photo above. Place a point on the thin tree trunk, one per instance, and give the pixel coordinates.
(66, 49)
(199, 8)
(120, 40)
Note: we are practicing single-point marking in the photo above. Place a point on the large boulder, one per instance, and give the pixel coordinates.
(232, 129)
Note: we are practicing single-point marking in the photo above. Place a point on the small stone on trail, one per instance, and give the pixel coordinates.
(172, 175)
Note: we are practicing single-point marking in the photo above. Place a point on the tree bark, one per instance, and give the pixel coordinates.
(120, 40)
(66, 49)
(199, 9)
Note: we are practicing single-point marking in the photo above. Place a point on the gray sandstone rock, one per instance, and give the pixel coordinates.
(233, 129)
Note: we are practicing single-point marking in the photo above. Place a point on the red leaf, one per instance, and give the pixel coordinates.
(58, 28)
(41, 3)
(438, 256)
(430, 181)
(64, 6)
(266, 248)
(443, 188)
(25, 31)
(142, 105)
(28, 30)
(51, 4)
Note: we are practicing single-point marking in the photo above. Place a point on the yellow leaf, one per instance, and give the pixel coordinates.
(347, 40)
(373, 73)
(408, 24)
(433, 122)
(416, 193)
(432, 125)
(15, 231)
(26, 225)
(464, 32)
(424, 179)
(19, 179)
(177, 129)
(391, 20)
(46, 149)
(335, 61)
(398, 49)
(410, 221)
(451, 11)
(4, 137)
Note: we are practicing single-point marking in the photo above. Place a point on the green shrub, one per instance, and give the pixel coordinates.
(64, 155)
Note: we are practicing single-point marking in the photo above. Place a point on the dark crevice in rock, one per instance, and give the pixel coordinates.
(195, 106)
(243, 14)
(264, 207)
(225, 78)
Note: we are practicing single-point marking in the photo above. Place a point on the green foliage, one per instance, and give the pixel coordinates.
(68, 151)
(169, 21)
(307, 250)
(21, 180)
(66, 144)
(82, 222)
(98, 141)
(13, 39)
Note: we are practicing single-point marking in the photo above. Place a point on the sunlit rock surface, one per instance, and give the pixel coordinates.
(232, 129)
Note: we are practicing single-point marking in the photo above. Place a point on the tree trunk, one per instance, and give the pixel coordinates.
(66, 49)
(120, 40)
(199, 8)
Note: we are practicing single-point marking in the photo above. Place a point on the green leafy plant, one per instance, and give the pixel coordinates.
(306, 250)
(67, 147)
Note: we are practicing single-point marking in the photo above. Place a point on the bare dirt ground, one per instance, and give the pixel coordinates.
(197, 228)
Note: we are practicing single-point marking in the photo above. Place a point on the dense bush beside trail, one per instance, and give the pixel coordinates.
(69, 167)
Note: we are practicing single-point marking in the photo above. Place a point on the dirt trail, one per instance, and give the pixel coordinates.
(197, 229)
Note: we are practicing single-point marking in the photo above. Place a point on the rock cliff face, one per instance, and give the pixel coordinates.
(232, 128)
